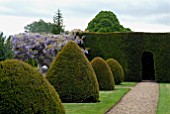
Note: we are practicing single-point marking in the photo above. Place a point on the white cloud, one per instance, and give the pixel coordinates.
(13, 24)
(153, 14)
(143, 27)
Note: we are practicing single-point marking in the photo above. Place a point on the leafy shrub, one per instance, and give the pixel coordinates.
(24, 90)
(5, 48)
(104, 74)
(117, 70)
(72, 76)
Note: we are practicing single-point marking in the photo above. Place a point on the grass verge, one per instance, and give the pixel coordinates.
(126, 84)
(164, 99)
(107, 100)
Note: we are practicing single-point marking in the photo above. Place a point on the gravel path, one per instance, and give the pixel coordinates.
(142, 99)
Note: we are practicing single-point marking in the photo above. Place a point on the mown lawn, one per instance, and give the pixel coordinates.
(107, 100)
(164, 99)
(127, 84)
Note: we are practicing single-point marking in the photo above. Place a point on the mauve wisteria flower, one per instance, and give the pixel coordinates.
(41, 47)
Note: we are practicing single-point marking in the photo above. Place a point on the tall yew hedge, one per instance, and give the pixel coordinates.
(128, 48)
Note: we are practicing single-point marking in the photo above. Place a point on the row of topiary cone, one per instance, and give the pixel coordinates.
(25, 90)
(108, 72)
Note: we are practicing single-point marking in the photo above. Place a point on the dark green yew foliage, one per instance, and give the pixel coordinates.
(117, 70)
(25, 91)
(104, 74)
(73, 76)
(128, 49)
(111, 45)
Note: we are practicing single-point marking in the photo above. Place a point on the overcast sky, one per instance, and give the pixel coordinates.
(138, 15)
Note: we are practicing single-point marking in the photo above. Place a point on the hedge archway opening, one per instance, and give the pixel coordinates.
(148, 71)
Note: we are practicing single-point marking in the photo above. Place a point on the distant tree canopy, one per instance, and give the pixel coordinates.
(45, 27)
(39, 27)
(106, 21)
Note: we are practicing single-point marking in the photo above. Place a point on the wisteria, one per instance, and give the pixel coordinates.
(41, 47)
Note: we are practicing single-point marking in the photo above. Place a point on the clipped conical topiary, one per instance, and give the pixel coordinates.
(24, 90)
(73, 76)
(117, 70)
(104, 74)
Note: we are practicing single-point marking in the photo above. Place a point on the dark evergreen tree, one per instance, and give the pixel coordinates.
(5, 48)
(58, 26)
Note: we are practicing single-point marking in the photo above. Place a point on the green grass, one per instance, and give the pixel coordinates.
(107, 100)
(127, 84)
(164, 99)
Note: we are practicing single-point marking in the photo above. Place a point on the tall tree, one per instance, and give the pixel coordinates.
(6, 51)
(106, 21)
(39, 27)
(58, 26)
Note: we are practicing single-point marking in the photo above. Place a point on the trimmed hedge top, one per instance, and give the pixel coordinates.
(117, 70)
(104, 74)
(24, 90)
(73, 76)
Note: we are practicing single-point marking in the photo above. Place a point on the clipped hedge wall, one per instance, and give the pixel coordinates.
(116, 69)
(24, 90)
(73, 76)
(128, 48)
(104, 74)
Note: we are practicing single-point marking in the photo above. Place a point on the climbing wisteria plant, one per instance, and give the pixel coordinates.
(41, 47)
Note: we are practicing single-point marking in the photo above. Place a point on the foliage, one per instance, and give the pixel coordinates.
(104, 74)
(106, 21)
(128, 49)
(46, 27)
(32, 62)
(110, 45)
(108, 99)
(6, 51)
(164, 99)
(41, 47)
(39, 27)
(58, 26)
(24, 90)
(72, 76)
(117, 70)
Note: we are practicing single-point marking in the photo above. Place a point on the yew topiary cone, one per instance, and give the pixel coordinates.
(24, 90)
(104, 74)
(73, 76)
(117, 70)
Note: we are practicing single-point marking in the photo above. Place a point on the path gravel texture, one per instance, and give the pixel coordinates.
(142, 99)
